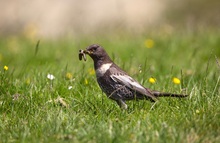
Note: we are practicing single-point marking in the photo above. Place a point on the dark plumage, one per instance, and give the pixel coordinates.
(116, 83)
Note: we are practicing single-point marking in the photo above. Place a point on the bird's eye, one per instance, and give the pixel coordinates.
(94, 49)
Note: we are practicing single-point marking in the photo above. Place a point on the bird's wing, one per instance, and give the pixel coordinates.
(130, 83)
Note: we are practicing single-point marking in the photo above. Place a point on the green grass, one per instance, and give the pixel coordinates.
(30, 109)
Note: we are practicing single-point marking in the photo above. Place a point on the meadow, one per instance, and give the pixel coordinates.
(48, 95)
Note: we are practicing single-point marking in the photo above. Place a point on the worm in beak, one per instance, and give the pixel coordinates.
(82, 54)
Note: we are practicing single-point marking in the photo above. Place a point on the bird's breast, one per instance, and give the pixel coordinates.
(102, 69)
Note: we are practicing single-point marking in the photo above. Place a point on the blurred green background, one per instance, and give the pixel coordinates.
(43, 18)
(183, 30)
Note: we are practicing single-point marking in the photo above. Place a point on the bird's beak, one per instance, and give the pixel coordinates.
(87, 52)
(82, 54)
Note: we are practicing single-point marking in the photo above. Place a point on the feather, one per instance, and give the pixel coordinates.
(132, 84)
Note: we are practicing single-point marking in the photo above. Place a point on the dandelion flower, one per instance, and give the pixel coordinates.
(13, 45)
(50, 76)
(152, 80)
(149, 43)
(31, 30)
(91, 71)
(28, 81)
(86, 81)
(69, 76)
(176, 80)
(197, 111)
(5, 68)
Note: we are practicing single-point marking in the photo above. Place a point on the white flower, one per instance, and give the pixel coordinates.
(50, 76)
(70, 87)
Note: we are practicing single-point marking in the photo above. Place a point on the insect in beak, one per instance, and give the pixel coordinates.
(82, 54)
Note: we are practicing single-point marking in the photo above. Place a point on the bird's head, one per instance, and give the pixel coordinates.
(96, 52)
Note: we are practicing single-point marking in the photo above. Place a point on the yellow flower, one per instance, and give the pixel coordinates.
(69, 76)
(5, 68)
(86, 81)
(91, 71)
(31, 30)
(28, 81)
(152, 80)
(149, 43)
(176, 80)
(197, 111)
(13, 44)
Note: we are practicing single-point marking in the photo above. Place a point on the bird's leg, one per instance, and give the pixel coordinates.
(122, 104)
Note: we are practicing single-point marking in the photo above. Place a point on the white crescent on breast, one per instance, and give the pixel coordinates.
(102, 70)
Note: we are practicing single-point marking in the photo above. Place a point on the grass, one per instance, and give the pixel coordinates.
(36, 109)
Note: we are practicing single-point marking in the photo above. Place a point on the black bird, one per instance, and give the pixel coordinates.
(115, 82)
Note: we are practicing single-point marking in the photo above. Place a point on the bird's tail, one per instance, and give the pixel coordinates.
(162, 94)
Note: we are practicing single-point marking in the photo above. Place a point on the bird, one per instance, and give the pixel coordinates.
(116, 83)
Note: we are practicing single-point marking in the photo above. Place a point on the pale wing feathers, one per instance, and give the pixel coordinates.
(127, 81)
(131, 83)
